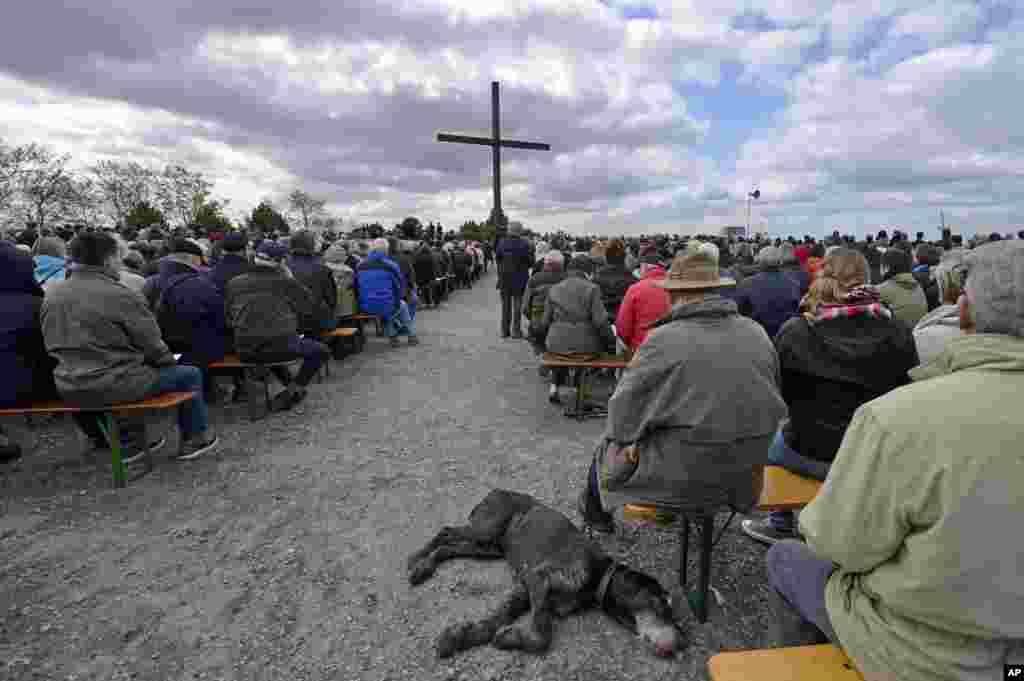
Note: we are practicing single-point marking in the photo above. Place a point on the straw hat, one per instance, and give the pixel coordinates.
(693, 271)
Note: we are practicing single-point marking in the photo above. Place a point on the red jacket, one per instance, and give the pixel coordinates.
(643, 305)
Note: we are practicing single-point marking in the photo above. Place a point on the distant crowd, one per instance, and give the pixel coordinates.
(96, 317)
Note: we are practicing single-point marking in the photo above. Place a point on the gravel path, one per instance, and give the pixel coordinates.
(282, 556)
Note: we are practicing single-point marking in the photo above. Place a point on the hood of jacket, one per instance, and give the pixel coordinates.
(48, 267)
(17, 272)
(712, 307)
(985, 351)
(856, 338)
(944, 315)
(170, 267)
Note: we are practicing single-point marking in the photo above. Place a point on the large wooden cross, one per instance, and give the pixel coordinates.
(495, 143)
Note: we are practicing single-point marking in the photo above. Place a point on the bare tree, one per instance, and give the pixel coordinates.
(123, 186)
(85, 204)
(47, 186)
(305, 208)
(13, 161)
(182, 194)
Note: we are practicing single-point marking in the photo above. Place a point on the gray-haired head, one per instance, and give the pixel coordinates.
(995, 287)
(52, 246)
(769, 257)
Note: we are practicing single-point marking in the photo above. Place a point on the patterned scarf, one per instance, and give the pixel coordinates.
(862, 300)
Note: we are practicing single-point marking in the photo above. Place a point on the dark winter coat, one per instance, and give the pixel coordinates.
(227, 268)
(514, 257)
(923, 275)
(312, 273)
(195, 305)
(614, 281)
(830, 368)
(798, 275)
(769, 298)
(424, 267)
(26, 368)
(265, 307)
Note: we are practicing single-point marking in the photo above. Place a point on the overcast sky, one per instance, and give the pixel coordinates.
(854, 115)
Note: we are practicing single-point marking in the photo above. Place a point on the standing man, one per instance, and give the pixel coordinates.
(514, 258)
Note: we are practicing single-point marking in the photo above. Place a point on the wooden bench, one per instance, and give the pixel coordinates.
(785, 491)
(781, 491)
(813, 663)
(359, 319)
(234, 362)
(107, 422)
(345, 336)
(583, 369)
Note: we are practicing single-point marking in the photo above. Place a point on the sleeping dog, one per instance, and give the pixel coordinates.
(558, 571)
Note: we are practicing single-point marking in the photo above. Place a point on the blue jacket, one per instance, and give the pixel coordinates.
(26, 368)
(380, 285)
(228, 267)
(49, 268)
(769, 298)
(197, 304)
(514, 259)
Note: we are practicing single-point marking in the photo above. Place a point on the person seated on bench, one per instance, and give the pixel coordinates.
(536, 296)
(380, 293)
(310, 271)
(574, 320)
(336, 259)
(268, 308)
(846, 349)
(401, 255)
(189, 308)
(24, 364)
(910, 563)
(613, 278)
(690, 421)
(233, 261)
(643, 304)
(425, 270)
(108, 344)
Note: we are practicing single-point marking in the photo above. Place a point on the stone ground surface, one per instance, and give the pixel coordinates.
(282, 555)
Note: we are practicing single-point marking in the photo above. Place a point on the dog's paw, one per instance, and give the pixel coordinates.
(451, 640)
(509, 637)
(420, 572)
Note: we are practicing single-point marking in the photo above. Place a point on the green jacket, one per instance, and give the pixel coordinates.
(905, 297)
(921, 513)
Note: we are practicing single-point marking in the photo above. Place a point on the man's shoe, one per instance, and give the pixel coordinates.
(517, 335)
(193, 449)
(553, 396)
(763, 531)
(413, 340)
(596, 518)
(394, 342)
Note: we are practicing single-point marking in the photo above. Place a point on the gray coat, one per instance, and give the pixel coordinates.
(106, 341)
(575, 319)
(701, 401)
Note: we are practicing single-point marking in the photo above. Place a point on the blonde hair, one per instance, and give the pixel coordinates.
(843, 270)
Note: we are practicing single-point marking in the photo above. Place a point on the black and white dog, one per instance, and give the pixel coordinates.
(559, 571)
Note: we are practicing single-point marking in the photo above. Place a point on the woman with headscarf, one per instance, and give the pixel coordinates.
(845, 349)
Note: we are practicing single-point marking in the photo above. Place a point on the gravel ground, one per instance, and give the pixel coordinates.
(282, 555)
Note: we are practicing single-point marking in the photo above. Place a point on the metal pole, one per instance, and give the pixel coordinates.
(748, 216)
(496, 140)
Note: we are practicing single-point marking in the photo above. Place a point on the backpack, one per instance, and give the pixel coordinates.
(175, 333)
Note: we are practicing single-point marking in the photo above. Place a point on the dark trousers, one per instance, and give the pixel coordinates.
(510, 313)
(426, 292)
(312, 353)
(797, 596)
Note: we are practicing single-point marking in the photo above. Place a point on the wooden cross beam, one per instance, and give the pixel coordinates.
(495, 143)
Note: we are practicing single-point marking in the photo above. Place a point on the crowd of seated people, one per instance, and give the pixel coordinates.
(907, 406)
(95, 319)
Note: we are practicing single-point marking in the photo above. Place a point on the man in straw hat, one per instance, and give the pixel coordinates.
(692, 418)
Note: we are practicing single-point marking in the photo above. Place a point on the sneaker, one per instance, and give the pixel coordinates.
(762, 530)
(194, 449)
(394, 341)
(413, 340)
(597, 519)
(9, 452)
(553, 396)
